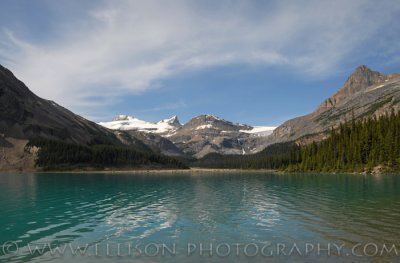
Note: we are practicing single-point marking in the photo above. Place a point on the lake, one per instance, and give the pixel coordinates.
(200, 217)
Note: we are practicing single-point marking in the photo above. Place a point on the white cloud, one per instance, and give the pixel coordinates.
(126, 47)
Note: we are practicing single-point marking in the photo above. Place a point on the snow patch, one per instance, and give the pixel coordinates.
(260, 130)
(377, 87)
(206, 126)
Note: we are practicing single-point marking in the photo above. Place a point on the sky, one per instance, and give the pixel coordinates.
(253, 62)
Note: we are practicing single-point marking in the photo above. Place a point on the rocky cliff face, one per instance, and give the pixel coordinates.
(358, 81)
(365, 93)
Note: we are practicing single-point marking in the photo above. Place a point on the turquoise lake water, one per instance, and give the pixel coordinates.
(221, 217)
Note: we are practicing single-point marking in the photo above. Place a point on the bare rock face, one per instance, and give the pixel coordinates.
(14, 156)
(358, 81)
(366, 93)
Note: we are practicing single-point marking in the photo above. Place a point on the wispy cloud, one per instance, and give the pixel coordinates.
(126, 47)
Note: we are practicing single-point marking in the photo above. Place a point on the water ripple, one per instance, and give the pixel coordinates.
(246, 208)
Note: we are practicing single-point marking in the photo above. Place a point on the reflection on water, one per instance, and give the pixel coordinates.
(259, 208)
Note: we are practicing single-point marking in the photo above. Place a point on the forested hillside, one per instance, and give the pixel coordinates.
(273, 157)
(57, 155)
(355, 146)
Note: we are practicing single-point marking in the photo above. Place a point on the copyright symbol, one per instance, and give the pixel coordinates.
(10, 247)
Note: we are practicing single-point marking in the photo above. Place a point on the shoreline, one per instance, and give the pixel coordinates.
(164, 171)
(191, 171)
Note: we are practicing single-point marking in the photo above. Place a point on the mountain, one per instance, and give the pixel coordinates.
(151, 134)
(206, 134)
(25, 117)
(361, 78)
(201, 135)
(365, 93)
(129, 123)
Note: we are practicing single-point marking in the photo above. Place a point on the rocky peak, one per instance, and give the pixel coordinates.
(5, 72)
(361, 78)
(174, 121)
(12, 86)
(122, 117)
(206, 122)
(366, 93)
(206, 119)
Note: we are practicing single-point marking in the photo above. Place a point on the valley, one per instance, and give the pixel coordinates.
(25, 117)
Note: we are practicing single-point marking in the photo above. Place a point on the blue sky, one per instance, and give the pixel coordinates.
(255, 62)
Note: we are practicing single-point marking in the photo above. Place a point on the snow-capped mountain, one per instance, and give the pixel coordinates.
(128, 123)
(167, 127)
(199, 136)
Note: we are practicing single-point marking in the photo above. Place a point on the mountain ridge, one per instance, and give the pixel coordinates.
(24, 115)
(365, 93)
